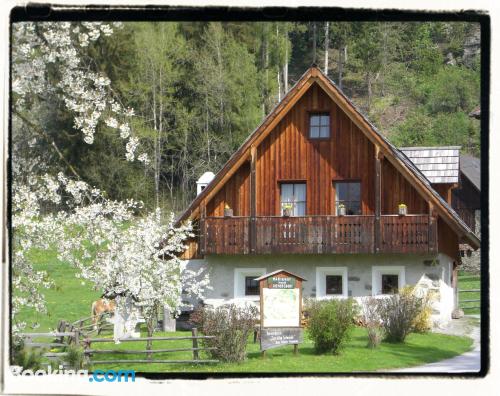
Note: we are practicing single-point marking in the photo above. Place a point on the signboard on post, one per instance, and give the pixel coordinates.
(280, 310)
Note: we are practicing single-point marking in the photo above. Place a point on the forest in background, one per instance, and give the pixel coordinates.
(199, 89)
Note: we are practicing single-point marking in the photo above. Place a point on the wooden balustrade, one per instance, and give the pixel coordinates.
(320, 234)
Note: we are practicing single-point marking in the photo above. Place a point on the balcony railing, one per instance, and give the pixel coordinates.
(319, 235)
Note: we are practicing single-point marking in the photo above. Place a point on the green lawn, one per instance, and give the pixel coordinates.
(71, 300)
(468, 281)
(419, 349)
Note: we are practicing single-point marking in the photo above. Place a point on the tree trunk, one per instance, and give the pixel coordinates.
(314, 42)
(369, 87)
(278, 65)
(327, 25)
(285, 66)
(341, 64)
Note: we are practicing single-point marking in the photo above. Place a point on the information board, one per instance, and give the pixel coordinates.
(281, 307)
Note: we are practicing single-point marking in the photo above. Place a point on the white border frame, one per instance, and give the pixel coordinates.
(239, 284)
(378, 271)
(322, 272)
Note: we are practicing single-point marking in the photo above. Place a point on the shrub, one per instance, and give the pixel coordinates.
(398, 313)
(371, 320)
(331, 323)
(422, 322)
(231, 326)
(27, 358)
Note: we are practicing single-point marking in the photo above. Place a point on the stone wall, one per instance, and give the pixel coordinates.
(471, 259)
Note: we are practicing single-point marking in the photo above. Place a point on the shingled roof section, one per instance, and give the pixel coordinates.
(437, 164)
(471, 169)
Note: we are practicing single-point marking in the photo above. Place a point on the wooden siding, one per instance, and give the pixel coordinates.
(236, 193)
(396, 189)
(448, 241)
(288, 154)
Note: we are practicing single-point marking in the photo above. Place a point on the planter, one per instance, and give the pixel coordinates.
(341, 211)
(403, 210)
(287, 212)
(228, 212)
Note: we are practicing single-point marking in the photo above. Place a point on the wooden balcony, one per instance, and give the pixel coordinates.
(319, 235)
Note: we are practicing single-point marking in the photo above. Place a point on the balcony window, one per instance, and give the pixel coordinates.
(319, 126)
(349, 195)
(293, 198)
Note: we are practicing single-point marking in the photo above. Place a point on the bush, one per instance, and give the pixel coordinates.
(231, 326)
(371, 320)
(422, 322)
(27, 358)
(331, 323)
(398, 313)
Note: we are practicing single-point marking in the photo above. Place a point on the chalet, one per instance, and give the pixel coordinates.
(317, 190)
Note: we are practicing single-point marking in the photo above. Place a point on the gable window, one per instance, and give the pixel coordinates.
(319, 125)
(333, 284)
(349, 195)
(293, 198)
(251, 286)
(390, 283)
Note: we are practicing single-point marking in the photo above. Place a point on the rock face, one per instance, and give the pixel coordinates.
(457, 313)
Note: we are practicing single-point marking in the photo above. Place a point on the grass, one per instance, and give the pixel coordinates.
(468, 281)
(71, 299)
(418, 349)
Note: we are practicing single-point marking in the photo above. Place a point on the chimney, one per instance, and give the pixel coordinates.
(204, 181)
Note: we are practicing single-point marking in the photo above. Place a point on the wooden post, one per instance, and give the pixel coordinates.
(378, 193)
(431, 230)
(253, 201)
(194, 332)
(203, 228)
(77, 337)
(295, 349)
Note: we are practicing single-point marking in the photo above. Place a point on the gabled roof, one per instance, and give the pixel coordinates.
(277, 272)
(397, 158)
(438, 164)
(471, 168)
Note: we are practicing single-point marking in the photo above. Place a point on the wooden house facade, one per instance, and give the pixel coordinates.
(317, 187)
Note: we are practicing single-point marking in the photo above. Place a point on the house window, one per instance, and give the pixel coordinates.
(387, 279)
(319, 126)
(349, 195)
(245, 286)
(390, 284)
(333, 284)
(251, 286)
(293, 198)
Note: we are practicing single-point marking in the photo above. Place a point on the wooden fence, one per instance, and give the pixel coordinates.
(65, 339)
(89, 352)
(475, 301)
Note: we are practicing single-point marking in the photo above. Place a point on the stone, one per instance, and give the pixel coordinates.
(457, 313)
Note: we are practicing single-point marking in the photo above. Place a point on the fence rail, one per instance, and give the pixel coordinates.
(195, 349)
(88, 352)
(476, 300)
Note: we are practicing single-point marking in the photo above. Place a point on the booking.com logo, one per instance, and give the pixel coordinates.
(112, 376)
(96, 376)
